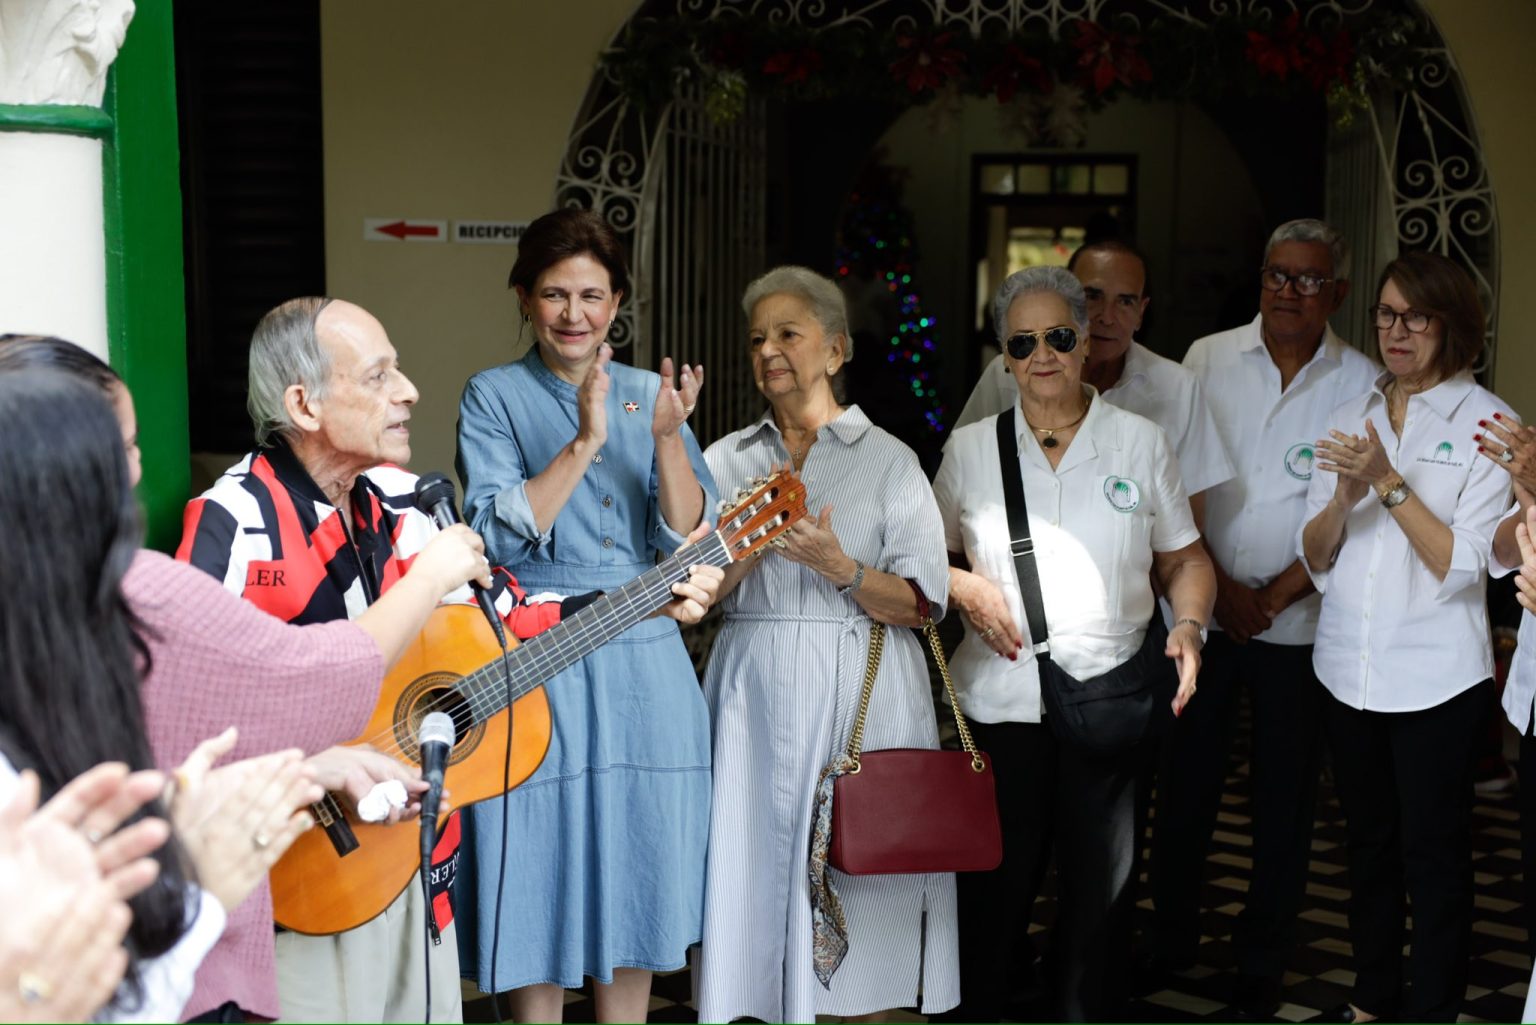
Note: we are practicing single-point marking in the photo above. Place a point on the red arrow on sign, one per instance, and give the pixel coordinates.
(402, 229)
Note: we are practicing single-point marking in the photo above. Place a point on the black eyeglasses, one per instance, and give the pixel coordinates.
(1021, 344)
(1416, 321)
(1274, 279)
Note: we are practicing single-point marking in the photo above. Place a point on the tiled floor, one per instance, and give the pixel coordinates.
(1320, 973)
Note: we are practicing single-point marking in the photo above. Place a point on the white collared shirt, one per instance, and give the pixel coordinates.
(1251, 520)
(1392, 638)
(1096, 520)
(1520, 687)
(1152, 386)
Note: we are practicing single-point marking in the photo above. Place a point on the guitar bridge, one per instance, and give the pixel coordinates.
(329, 815)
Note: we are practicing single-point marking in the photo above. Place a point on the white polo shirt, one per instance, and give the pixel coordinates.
(1392, 638)
(1251, 520)
(1152, 386)
(1096, 520)
(1520, 687)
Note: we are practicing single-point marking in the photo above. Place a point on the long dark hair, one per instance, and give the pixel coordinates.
(70, 649)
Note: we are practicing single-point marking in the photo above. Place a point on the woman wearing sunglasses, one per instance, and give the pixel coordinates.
(1397, 537)
(1107, 510)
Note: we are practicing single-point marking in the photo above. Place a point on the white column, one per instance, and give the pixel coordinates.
(52, 238)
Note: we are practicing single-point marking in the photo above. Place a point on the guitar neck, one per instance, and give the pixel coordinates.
(570, 640)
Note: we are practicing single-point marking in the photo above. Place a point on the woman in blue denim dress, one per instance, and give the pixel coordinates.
(578, 472)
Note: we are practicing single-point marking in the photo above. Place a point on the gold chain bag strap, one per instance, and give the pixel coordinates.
(913, 809)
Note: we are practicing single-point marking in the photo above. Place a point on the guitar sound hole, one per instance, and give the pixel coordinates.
(437, 692)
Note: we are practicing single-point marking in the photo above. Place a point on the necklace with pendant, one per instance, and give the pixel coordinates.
(1049, 439)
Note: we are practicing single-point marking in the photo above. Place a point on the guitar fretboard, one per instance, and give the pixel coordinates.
(568, 641)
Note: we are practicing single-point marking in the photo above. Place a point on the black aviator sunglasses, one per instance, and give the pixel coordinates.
(1021, 344)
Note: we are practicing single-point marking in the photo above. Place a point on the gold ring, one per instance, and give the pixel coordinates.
(33, 988)
(988, 632)
(261, 841)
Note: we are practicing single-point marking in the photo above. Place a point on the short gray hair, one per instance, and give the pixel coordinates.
(823, 297)
(1310, 229)
(285, 352)
(1057, 281)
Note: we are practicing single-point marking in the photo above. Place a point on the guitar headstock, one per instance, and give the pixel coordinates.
(761, 512)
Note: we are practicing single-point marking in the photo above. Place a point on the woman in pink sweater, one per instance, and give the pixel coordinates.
(217, 661)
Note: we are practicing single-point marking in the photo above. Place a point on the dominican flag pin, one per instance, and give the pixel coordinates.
(630, 407)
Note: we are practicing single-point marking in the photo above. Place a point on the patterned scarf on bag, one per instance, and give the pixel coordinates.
(829, 929)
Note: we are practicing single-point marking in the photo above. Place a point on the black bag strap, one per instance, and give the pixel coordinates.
(1020, 543)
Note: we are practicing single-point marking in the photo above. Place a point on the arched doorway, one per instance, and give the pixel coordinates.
(674, 147)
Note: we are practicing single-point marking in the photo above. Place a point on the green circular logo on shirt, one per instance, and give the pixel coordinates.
(1298, 460)
(1122, 493)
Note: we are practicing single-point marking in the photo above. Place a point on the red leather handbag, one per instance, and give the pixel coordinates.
(913, 809)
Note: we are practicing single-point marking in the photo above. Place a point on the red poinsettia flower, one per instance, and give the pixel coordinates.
(1280, 52)
(1017, 71)
(793, 65)
(929, 61)
(1107, 57)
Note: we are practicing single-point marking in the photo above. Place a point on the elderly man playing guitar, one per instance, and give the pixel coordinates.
(313, 526)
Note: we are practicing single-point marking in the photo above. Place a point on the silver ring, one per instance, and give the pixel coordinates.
(95, 836)
(261, 841)
(688, 410)
(1506, 456)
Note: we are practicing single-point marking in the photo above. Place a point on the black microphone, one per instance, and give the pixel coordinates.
(434, 496)
(435, 741)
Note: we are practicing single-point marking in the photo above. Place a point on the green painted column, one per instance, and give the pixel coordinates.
(146, 295)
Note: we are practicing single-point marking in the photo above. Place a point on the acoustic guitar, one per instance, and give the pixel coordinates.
(339, 877)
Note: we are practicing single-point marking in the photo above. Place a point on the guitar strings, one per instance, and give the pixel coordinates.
(541, 660)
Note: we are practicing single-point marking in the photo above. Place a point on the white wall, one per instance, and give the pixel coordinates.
(446, 111)
(53, 266)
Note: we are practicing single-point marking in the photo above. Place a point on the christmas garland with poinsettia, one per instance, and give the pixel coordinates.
(1087, 65)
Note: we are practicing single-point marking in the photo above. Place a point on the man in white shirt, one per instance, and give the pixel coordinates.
(1271, 385)
(1125, 372)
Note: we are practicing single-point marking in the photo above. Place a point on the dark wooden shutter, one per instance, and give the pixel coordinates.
(248, 83)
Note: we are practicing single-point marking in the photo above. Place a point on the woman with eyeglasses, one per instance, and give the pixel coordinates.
(1107, 511)
(1397, 536)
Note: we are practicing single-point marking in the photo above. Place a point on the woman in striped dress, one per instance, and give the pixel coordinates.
(783, 687)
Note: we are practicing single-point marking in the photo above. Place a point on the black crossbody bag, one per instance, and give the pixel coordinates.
(1111, 713)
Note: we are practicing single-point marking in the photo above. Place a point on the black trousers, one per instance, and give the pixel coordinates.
(1404, 781)
(1526, 796)
(1286, 701)
(1049, 796)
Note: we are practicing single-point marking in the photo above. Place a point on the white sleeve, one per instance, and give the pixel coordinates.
(1202, 457)
(1477, 515)
(1496, 567)
(168, 978)
(1319, 493)
(1173, 527)
(995, 392)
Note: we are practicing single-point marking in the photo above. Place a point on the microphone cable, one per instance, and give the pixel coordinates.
(426, 946)
(506, 789)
